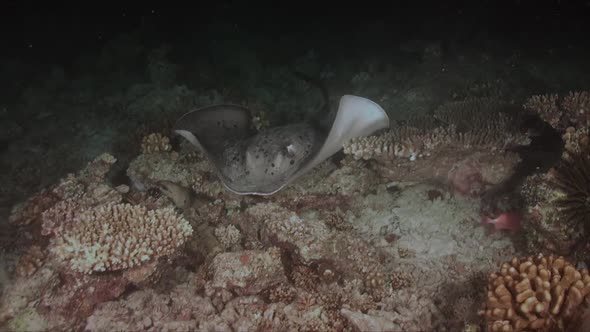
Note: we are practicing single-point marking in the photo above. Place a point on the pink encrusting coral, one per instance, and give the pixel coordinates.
(465, 178)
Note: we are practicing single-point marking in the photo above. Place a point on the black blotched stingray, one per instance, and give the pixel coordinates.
(262, 163)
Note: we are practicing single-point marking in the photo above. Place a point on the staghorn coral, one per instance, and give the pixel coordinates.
(534, 293)
(119, 236)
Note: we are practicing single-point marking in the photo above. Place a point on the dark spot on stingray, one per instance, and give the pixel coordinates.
(257, 156)
(235, 125)
(218, 123)
(266, 170)
(292, 162)
(247, 172)
(272, 173)
(272, 165)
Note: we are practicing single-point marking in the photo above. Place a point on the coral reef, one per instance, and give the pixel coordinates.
(119, 236)
(470, 124)
(370, 241)
(341, 249)
(557, 201)
(155, 142)
(463, 145)
(569, 115)
(535, 293)
(82, 221)
(562, 112)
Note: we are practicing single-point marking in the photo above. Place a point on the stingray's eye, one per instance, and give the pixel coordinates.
(291, 150)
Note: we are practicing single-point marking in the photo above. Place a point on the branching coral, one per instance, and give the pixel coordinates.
(464, 145)
(571, 110)
(474, 123)
(559, 201)
(535, 293)
(118, 236)
(155, 142)
(570, 115)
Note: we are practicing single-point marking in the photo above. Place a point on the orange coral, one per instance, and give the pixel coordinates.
(534, 293)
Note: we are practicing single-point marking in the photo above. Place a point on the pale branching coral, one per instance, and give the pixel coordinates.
(534, 293)
(546, 107)
(577, 107)
(228, 235)
(576, 141)
(570, 115)
(155, 142)
(119, 236)
(398, 142)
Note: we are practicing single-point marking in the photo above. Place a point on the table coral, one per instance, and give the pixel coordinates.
(484, 123)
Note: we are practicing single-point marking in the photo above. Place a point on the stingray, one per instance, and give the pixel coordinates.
(262, 163)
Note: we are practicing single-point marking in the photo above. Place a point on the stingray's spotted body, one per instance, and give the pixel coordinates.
(250, 163)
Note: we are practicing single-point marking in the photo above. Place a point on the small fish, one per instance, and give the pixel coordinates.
(183, 198)
(510, 221)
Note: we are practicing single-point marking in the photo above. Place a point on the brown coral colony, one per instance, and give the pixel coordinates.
(534, 293)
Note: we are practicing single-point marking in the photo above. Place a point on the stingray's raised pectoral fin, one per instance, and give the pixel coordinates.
(208, 128)
(356, 117)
